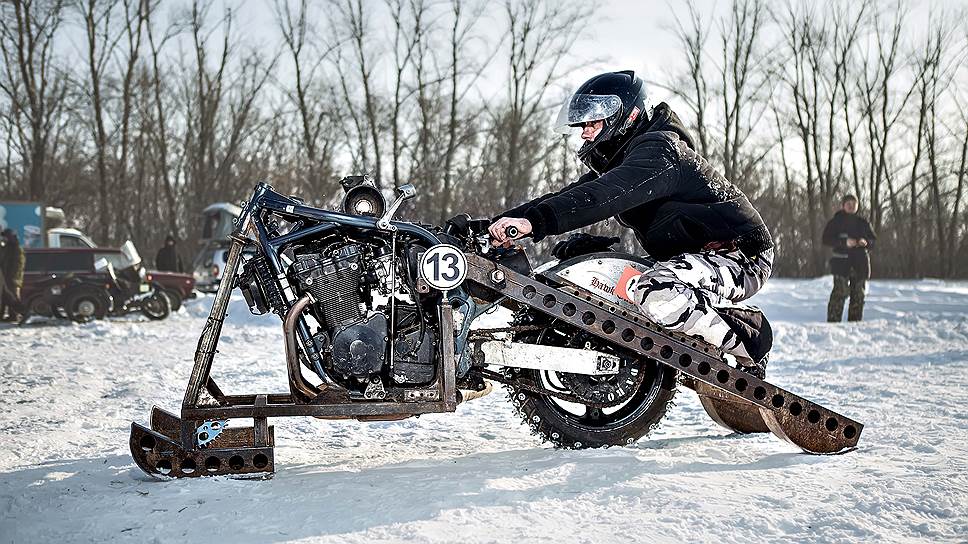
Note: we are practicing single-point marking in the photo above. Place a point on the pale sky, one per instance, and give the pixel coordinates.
(625, 34)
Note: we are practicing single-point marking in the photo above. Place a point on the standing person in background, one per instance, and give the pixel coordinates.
(850, 236)
(168, 259)
(12, 260)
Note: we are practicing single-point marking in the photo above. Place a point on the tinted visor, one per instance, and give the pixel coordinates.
(582, 108)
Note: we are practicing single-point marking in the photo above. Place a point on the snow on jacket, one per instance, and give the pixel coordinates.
(663, 190)
(847, 261)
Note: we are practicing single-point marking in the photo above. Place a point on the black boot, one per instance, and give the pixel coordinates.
(757, 368)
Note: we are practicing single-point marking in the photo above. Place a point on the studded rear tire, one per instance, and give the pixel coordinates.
(630, 422)
(573, 425)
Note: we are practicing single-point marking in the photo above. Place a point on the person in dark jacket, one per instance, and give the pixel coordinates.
(851, 237)
(712, 246)
(168, 259)
(12, 261)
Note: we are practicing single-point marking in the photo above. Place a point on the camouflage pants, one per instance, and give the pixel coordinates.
(683, 293)
(844, 286)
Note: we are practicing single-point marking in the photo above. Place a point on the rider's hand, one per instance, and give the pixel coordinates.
(499, 236)
(862, 242)
(851, 242)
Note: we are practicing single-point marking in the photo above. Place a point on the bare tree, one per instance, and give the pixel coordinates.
(359, 63)
(32, 82)
(692, 87)
(312, 98)
(540, 35)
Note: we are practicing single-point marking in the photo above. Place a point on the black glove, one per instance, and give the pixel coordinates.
(582, 244)
(457, 225)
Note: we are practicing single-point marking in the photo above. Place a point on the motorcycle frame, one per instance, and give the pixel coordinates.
(196, 406)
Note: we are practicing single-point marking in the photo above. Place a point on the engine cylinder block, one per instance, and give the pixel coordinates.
(334, 282)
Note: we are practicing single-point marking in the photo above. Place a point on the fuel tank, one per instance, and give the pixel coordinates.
(605, 274)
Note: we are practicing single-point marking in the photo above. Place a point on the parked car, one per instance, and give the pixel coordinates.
(177, 287)
(90, 283)
(209, 262)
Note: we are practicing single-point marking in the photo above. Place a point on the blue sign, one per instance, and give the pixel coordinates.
(26, 219)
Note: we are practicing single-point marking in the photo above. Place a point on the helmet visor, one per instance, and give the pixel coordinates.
(582, 108)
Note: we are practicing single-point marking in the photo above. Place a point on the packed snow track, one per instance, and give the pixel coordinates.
(68, 393)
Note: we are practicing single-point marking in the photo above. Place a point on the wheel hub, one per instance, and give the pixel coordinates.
(605, 390)
(85, 308)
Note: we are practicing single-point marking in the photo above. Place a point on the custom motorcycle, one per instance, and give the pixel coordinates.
(380, 323)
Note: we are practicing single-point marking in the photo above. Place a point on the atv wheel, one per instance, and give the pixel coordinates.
(86, 305)
(174, 299)
(617, 413)
(38, 305)
(156, 307)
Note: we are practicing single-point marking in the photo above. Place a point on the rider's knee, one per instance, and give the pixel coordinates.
(664, 301)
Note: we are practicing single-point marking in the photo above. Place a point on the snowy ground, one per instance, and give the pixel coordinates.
(69, 392)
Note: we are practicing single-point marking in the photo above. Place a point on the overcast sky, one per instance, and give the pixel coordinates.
(624, 34)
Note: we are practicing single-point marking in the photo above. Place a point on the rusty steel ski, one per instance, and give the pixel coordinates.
(367, 307)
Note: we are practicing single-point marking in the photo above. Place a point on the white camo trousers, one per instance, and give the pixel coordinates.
(683, 293)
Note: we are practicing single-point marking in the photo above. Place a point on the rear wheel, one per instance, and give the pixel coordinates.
(39, 305)
(156, 307)
(174, 299)
(86, 305)
(611, 410)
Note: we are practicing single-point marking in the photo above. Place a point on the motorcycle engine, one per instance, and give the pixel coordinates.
(334, 282)
(354, 334)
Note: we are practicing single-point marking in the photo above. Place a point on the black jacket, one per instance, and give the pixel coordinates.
(168, 260)
(849, 261)
(663, 190)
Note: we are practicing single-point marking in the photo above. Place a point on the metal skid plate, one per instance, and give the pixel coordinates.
(812, 427)
(159, 451)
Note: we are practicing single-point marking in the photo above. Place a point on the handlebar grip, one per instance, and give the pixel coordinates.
(511, 232)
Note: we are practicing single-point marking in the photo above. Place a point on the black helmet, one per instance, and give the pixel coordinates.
(618, 98)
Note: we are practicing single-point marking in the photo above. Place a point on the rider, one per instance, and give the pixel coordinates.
(712, 247)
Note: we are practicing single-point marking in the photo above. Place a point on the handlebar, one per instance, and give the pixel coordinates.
(511, 232)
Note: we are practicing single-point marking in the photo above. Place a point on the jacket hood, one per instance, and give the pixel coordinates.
(663, 118)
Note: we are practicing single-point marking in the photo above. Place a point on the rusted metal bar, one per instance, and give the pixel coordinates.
(159, 450)
(727, 410)
(205, 352)
(337, 410)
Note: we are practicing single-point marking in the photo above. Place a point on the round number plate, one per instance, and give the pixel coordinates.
(443, 267)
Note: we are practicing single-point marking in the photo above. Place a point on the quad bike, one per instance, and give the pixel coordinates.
(78, 298)
(112, 287)
(377, 317)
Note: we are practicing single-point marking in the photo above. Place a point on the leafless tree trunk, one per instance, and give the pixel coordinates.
(319, 124)
(540, 35)
(32, 82)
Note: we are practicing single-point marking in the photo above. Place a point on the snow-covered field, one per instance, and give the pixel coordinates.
(68, 394)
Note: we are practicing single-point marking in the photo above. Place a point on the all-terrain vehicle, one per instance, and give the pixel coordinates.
(83, 284)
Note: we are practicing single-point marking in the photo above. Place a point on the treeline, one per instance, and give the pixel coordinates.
(135, 114)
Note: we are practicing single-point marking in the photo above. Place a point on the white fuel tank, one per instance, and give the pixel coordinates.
(603, 274)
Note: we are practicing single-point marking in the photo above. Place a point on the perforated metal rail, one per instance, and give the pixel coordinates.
(812, 427)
